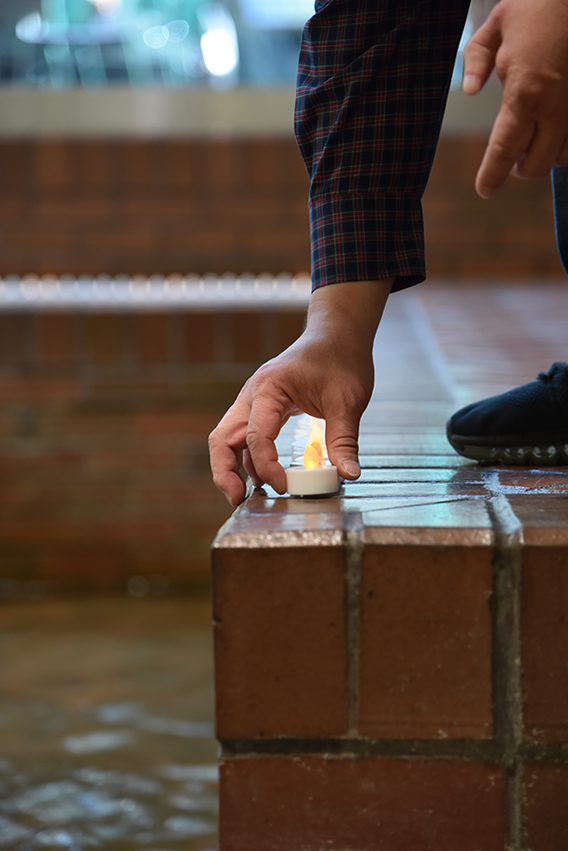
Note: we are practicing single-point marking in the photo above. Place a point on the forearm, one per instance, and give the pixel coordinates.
(348, 312)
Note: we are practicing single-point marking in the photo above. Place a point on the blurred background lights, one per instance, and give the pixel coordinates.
(174, 32)
(219, 44)
(155, 37)
(271, 14)
(106, 5)
(151, 42)
(219, 54)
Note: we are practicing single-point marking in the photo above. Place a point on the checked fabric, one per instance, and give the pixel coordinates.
(373, 80)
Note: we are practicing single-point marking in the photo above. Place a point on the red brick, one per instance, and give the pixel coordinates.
(225, 168)
(545, 640)
(15, 336)
(57, 338)
(140, 165)
(247, 337)
(377, 804)
(186, 423)
(105, 338)
(17, 389)
(177, 166)
(280, 642)
(56, 460)
(290, 326)
(426, 642)
(199, 154)
(264, 164)
(39, 528)
(546, 813)
(292, 166)
(14, 166)
(96, 165)
(152, 340)
(98, 565)
(200, 337)
(120, 460)
(53, 165)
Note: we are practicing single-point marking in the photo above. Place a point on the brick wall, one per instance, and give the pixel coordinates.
(197, 206)
(357, 706)
(104, 420)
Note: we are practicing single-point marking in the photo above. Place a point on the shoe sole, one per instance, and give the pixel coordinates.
(552, 454)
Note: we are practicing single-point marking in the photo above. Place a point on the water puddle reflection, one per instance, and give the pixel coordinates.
(117, 775)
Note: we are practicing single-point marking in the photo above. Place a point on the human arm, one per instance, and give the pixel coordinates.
(327, 373)
(526, 41)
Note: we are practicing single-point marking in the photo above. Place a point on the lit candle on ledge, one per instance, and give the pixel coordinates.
(316, 477)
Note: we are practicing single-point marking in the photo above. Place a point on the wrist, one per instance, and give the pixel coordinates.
(352, 309)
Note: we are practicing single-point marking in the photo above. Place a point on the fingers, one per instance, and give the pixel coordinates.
(526, 42)
(225, 467)
(267, 417)
(479, 57)
(226, 445)
(519, 146)
(341, 433)
(247, 433)
(543, 152)
(249, 467)
(509, 140)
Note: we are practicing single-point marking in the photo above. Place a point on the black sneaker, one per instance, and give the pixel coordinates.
(527, 425)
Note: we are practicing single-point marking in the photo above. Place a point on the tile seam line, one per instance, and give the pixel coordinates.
(459, 750)
(353, 529)
(506, 655)
(422, 327)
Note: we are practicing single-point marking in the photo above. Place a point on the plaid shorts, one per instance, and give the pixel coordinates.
(373, 80)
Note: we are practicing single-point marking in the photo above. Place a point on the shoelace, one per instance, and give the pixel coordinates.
(547, 377)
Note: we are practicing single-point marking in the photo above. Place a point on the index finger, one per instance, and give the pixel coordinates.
(509, 140)
(226, 443)
(267, 417)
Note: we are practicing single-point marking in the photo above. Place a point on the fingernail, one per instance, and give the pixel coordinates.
(352, 469)
(470, 82)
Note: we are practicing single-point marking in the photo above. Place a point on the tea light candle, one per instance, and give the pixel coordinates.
(317, 481)
(316, 477)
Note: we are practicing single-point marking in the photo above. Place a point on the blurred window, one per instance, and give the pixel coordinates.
(59, 43)
(220, 43)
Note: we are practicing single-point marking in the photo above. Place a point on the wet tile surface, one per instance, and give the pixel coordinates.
(106, 734)
(461, 343)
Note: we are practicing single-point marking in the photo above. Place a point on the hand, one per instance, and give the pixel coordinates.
(327, 373)
(526, 41)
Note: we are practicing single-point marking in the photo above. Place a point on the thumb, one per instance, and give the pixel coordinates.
(480, 54)
(341, 435)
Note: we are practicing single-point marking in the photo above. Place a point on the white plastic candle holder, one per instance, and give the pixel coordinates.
(317, 481)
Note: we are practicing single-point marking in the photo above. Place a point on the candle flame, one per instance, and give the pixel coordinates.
(313, 456)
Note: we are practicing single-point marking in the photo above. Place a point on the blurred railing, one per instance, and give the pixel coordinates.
(138, 292)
